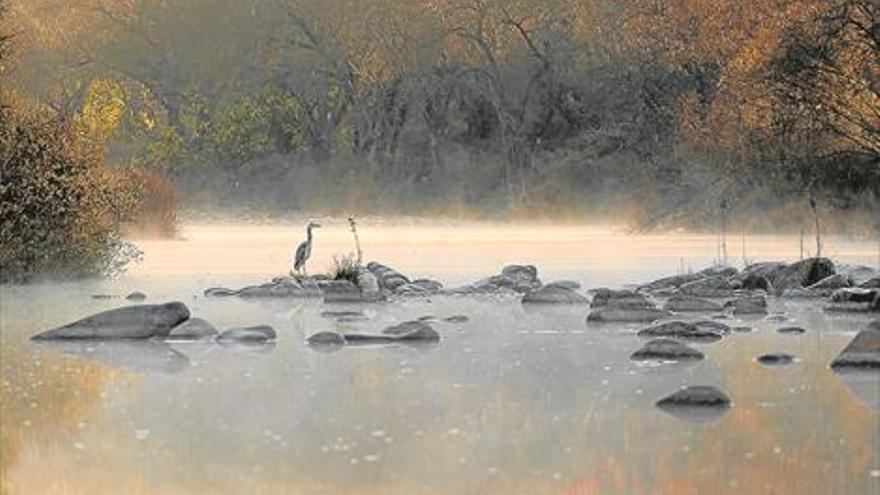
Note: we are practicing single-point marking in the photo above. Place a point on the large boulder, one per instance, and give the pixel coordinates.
(854, 299)
(193, 329)
(682, 330)
(666, 350)
(803, 273)
(686, 304)
(341, 291)
(769, 270)
(863, 352)
(612, 314)
(871, 283)
(366, 281)
(554, 294)
(131, 322)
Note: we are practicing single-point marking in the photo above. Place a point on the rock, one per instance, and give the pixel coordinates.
(874, 325)
(666, 349)
(620, 298)
(427, 285)
(611, 314)
(681, 330)
(859, 274)
(136, 296)
(799, 293)
(863, 352)
(715, 286)
(565, 284)
(754, 281)
(131, 322)
(750, 305)
(803, 273)
(367, 282)
(776, 359)
(742, 329)
(791, 330)
(777, 318)
(832, 282)
(360, 338)
(854, 299)
(768, 270)
(336, 291)
(412, 331)
(220, 292)
(281, 287)
(873, 283)
(676, 281)
(522, 274)
(554, 294)
(326, 339)
(387, 277)
(712, 326)
(456, 319)
(696, 396)
(104, 296)
(685, 303)
(192, 329)
(256, 334)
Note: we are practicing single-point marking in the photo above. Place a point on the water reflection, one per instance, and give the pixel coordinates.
(515, 400)
(142, 356)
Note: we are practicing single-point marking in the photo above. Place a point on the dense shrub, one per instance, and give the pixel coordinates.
(61, 208)
(155, 212)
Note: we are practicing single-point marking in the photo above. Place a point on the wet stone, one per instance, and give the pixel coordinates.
(257, 333)
(456, 319)
(863, 352)
(136, 296)
(776, 359)
(681, 330)
(666, 349)
(791, 330)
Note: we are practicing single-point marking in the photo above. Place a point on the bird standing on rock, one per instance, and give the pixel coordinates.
(304, 250)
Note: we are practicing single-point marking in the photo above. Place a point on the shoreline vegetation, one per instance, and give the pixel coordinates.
(702, 117)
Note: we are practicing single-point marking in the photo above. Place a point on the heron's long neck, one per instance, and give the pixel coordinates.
(309, 235)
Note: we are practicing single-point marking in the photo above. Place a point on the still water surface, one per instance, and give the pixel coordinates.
(515, 401)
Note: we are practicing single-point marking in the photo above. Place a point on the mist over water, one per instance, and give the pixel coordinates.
(516, 400)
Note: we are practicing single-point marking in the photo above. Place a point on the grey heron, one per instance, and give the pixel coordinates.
(304, 250)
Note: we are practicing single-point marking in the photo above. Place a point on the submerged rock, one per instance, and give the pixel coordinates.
(750, 305)
(874, 325)
(413, 331)
(854, 299)
(554, 294)
(742, 329)
(136, 296)
(776, 359)
(456, 319)
(343, 314)
(326, 339)
(666, 349)
(131, 322)
(682, 330)
(220, 292)
(256, 334)
(686, 303)
(791, 330)
(863, 352)
(193, 329)
(626, 315)
(699, 403)
(873, 283)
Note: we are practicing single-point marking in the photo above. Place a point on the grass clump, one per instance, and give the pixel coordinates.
(345, 267)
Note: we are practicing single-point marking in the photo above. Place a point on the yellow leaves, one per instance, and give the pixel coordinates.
(103, 108)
